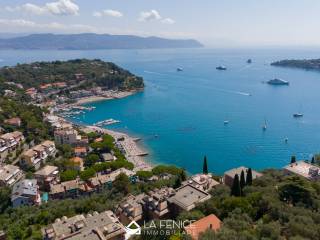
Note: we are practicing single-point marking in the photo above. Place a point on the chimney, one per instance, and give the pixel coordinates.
(210, 226)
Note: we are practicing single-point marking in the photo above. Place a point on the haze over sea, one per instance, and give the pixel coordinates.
(180, 115)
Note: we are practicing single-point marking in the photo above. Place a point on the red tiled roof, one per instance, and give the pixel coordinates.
(200, 226)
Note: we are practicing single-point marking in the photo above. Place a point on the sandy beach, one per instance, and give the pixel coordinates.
(106, 96)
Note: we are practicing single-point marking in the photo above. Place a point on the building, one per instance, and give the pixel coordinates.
(37, 155)
(69, 189)
(13, 122)
(155, 203)
(80, 152)
(186, 198)
(76, 164)
(9, 142)
(46, 176)
(210, 222)
(3, 235)
(66, 136)
(204, 182)
(9, 175)
(303, 169)
(230, 174)
(25, 192)
(96, 226)
(108, 157)
(131, 209)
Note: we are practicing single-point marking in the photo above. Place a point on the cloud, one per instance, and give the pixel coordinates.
(154, 15)
(60, 7)
(108, 12)
(149, 16)
(168, 21)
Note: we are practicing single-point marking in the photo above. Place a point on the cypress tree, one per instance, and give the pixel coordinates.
(313, 160)
(249, 177)
(205, 165)
(178, 182)
(242, 180)
(293, 159)
(236, 190)
(183, 175)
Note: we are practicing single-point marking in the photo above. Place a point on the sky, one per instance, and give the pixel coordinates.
(212, 22)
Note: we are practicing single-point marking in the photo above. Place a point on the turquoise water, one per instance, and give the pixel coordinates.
(180, 115)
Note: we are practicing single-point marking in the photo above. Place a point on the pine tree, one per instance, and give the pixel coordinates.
(205, 165)
(242, 180)
(293, 159)
(249, 177)
(236, 190)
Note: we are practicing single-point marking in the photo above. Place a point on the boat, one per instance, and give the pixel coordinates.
(221, 68)
(297, 115)
(277, 81)
(249, 60)
(226, 122)
(264, 126)
(106, 122)
(286, 140)
(179, 69)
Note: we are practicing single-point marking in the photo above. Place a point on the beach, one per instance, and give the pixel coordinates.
(133, 152)
(107, 95)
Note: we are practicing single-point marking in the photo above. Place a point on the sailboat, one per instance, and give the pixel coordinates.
(264, 126)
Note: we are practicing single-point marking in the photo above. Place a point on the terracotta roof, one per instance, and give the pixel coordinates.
(98, 139)
(80, 150)
(200, 226)
(76, 160)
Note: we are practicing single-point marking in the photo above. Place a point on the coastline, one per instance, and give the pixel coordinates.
(133, 152)
(106, 96)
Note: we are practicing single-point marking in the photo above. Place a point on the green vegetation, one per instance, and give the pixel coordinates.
(163, 169)
(94, 73)
(32, 125)
(307, 64)
(68, 175)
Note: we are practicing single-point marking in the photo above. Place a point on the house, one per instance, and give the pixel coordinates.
(211, 222)
(76, 163)
(108, 157)
(66, 136)
(13, 122)
(303, 169)
(46, 176)
(155, 203)
(9, 175)
(37, 155)
(95, 226)
(69, 189)
(204, 182)
(230, 174)
(9, 142)
(25, 192)
(80, 152)
(186, 198)
(3, 235)
(131, 209)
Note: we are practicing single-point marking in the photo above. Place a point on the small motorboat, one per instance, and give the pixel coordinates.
(297, 115)
(179, 69)
(264, 126)
(226, 122)
(249, 60)
(221, 68)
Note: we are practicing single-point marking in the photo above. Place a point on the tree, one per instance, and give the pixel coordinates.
(87, 174)
(183, 175)
(293, 159)
(236, 189)
(177, 182)
(242, 180)
(313, 160)
(68, 175)
(205, 165)
(122, 183)
(249, 177)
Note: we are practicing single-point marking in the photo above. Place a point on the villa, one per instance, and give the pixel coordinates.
(25, 192)
(37, 155)
(13, 122)
(303, 169)
(66, 136)
(204, 182)
(186, 198)
(9, 142)
(95, 226)
(230, 174)
(211, 222)
(9, 175)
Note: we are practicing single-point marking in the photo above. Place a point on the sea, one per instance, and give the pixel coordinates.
(180, 115)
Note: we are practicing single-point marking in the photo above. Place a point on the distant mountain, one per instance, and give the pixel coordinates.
(90, 41)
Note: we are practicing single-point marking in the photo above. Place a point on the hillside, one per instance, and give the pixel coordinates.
(80, 72)
(307, 64)
(90, 41)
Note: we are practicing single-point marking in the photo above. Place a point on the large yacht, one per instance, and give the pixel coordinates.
(278, 81)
